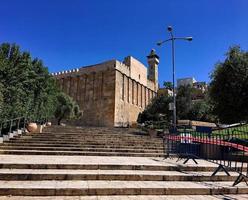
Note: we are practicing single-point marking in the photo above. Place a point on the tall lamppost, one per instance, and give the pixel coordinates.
(172, 39)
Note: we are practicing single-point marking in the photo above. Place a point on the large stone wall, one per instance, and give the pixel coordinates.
(112, 93)
(131, 98)
(93, 88)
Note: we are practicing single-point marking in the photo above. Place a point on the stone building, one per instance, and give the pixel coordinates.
(112, 93)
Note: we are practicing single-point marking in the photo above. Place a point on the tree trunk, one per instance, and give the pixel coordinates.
(60, 118)
(59, 121)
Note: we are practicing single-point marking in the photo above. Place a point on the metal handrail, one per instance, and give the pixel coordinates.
(7, 126)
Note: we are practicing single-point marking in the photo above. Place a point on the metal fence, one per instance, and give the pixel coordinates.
(8, 126)
(20, 123)
(226, 147)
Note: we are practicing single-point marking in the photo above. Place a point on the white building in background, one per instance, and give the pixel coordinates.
(186, 81)
(201, 87)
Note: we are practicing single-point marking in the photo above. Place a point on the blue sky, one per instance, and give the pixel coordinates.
(71, 33)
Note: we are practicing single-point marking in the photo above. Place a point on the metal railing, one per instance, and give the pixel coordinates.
(8, 126)
(20, 123)
(228, 149)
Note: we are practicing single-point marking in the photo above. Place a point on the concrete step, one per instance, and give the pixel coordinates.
(102, 163)
(20, 139)
(75, 188)
(81, 153)
(93, 137)
(48, 140)
(96, 131)
(79, 146)
(88, 134)
(132, 197)
(90, 140)
(82, 145)
(88, 143)
(71, 166)
(85, 135)
(124, 175)
(81, 149)
(88, 129)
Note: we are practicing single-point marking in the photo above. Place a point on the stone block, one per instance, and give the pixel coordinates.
(1, 140)
(15, 133)
(5, 138)
(19, 131)
(49, 123)
(11, 135)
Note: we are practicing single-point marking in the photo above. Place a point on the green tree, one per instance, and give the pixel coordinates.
(159, 105)
(1, 100)
(168, 85)
(27, 88)
(201, 111)
(66, 108)
(229, 87)
(184, 101)
(187, 108)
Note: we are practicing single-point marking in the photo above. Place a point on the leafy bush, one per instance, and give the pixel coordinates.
(158, 106)
(66, 108)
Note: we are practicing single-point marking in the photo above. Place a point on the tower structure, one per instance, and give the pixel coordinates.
(153, 61)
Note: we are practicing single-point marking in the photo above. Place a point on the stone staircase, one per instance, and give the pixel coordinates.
(103, 163)
(85, 142)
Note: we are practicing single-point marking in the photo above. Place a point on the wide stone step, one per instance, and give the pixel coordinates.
(91, 139)
(21, 139)
(81, 153)
(116, 136)
(91, 136)
(85, 134)
(132, 197)
(102, 163)
(87, 143)
(74, 188)
(95, 134)
(79, 146)
(107, 167)
(88, 129)
(81, 149)
(124, 175)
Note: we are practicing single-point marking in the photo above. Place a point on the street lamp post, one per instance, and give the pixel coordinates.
(172, 39)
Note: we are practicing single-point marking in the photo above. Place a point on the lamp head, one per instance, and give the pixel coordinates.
(189, 38)
(169, 28)
(159, 43)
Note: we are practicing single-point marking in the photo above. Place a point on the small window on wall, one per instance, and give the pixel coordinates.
(139, 76)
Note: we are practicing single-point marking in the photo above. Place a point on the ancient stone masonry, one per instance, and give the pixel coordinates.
(112, 93)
